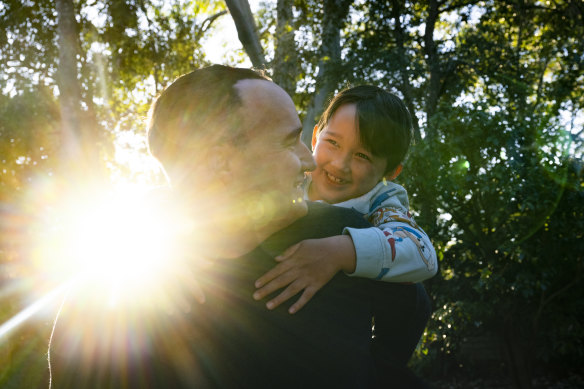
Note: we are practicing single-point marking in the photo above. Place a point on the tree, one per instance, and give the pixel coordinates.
(503, 159)
(246, 31)
(70, 93)
(334, 15)
(285, 61)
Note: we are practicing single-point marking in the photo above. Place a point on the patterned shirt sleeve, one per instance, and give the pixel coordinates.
(396, 250)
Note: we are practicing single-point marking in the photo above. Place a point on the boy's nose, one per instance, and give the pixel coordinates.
(342, 163)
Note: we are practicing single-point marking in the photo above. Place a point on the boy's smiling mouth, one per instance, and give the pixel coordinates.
(334, 179)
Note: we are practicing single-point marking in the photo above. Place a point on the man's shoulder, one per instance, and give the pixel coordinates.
(321, 221)
(333, 215)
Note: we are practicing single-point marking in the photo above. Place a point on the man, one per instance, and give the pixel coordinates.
(229, 141)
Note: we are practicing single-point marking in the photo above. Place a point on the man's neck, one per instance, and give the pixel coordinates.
(233, 229)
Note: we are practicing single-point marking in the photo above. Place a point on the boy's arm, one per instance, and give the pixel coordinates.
(397, 250)
(306, 266)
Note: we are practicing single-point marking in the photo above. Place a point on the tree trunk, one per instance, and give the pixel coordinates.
(246, 31)
(406, 87)
(433, 64)
(285, 64)
(334, 16)
(439, 72)
(81, 143)
(69, 90)
(518, 357)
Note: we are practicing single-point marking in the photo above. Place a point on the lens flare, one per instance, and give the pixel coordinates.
(119, 243)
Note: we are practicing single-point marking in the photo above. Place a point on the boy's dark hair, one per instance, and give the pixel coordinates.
(196, 111)
(382, 119)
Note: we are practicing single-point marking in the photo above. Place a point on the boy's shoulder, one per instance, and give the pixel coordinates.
(385, 193)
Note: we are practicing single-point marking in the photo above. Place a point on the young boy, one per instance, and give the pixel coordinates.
(359, 145)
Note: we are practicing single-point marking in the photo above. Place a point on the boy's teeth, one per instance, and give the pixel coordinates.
(335, 179)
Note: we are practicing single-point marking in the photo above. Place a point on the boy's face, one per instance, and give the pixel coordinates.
(344, 168)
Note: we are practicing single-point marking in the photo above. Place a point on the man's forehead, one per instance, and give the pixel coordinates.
(264, 103)
(261, 93)
(251, 87)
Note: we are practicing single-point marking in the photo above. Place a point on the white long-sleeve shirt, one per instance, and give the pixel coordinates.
(396, 249)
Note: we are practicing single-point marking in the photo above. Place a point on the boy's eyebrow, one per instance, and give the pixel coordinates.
(336, 135)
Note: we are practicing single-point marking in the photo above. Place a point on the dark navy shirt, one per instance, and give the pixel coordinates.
(233, 341)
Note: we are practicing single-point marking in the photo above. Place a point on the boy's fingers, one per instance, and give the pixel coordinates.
(301, 302)
(270, 275)
(277, 283)
(289, 252)
(289, 292)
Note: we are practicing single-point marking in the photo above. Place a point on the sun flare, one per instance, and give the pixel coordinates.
(120, 243)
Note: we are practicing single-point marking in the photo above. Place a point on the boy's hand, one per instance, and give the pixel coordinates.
(307, 266)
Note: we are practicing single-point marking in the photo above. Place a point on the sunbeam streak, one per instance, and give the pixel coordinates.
(29, 311)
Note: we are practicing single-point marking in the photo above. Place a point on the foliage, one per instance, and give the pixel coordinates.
(495, 177)
(128, 52)
(27, 137)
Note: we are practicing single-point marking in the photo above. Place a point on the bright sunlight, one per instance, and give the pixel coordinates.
(105, 246)
(120, 243)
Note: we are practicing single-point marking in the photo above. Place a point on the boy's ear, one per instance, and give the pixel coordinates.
(314, 136)
(393, 175)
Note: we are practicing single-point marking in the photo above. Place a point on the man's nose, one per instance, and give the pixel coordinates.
(306, 158)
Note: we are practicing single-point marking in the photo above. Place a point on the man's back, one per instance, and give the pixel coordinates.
(326, 344)
(233, 340)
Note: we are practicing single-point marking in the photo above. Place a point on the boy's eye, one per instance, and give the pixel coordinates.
(363, 156)
(332, 142)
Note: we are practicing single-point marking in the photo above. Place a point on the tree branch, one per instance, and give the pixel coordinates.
(207, 23)
(545, 301)
(454, 7)
(402, 58)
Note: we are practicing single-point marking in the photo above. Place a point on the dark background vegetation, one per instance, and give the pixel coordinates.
(495, 177)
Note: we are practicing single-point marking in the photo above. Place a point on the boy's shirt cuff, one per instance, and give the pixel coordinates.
(367, 242)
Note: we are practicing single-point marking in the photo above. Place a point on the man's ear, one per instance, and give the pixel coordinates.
(393, 175)
(221, 161)
(314, 136)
